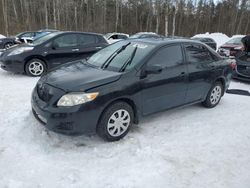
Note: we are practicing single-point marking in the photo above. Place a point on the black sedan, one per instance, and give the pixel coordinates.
(50, 51)
(123, 82)
(208, 41)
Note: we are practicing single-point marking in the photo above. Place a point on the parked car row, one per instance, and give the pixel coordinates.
(50, 51)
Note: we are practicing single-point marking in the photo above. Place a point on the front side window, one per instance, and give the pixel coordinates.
(69, 40)
(43, 39)
(85, 39)
(168, 56)
(197, 53)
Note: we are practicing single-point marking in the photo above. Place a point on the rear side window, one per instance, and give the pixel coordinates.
(114, 37)
(86, 39)
(69, 40)
(168, 56)
(198, 54)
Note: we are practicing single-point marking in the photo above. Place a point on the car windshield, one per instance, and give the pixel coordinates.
(43, 39)
(235, 41)
(115, 56)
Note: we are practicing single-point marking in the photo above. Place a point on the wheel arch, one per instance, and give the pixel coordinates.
(35, 57)
(129, 101)
(223, 82)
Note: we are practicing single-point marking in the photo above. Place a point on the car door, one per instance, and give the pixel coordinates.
(200, 64)
(63, 49)
(168, 88)
(88, 45)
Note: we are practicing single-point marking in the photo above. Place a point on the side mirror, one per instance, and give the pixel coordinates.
(153, 69)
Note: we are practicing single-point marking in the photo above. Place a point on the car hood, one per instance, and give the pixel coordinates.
(14, 47)
(77, 76)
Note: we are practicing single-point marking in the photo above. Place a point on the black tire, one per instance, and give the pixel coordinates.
(103, 129)
(210, 102)
(37, 62)
(8, 45)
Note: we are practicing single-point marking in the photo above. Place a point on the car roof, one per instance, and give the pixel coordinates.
(164, 41)
(78, 32)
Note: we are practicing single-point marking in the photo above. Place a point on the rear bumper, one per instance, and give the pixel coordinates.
(76, 120)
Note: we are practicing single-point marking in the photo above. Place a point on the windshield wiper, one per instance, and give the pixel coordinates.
(110, 59)
(129, 61)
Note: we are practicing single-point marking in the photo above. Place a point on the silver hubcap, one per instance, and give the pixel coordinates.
(8, 46)
(215, 95)
(118, 123)
(36, 68)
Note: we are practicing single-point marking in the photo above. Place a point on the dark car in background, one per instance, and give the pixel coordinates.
(232, 48)
(51, 51)
(142, 35)
(7, 42)
(125, 81)
(24, 37)
(242, 69)
(208, 41)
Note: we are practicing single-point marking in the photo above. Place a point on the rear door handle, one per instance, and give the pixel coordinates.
(75, 50)
(98, 47)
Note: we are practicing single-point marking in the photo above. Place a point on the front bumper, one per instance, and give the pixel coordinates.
(77, 120)
(12, 64)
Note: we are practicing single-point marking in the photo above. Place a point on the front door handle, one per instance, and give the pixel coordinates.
(75, 50)
(182, 74)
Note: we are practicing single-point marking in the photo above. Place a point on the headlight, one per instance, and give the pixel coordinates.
(20, 50)
(72, 99)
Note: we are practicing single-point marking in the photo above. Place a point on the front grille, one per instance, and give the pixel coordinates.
(44, 92)
(243, 70)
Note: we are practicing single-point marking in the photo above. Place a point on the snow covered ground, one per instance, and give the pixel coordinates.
(191, 147)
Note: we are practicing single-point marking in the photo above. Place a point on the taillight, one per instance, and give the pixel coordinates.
(233, 65)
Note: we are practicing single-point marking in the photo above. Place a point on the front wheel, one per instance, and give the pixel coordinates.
(214, 95)
(35, 67)
(115, 122)
(8, 45)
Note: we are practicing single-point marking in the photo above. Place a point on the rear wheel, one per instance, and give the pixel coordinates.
(35, 67)
(214, 95)
(115, 121)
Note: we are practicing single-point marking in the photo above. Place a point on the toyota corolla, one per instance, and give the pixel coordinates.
(121, 83)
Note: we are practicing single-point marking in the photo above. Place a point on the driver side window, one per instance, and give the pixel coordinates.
(170, 56)
(69, 40)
